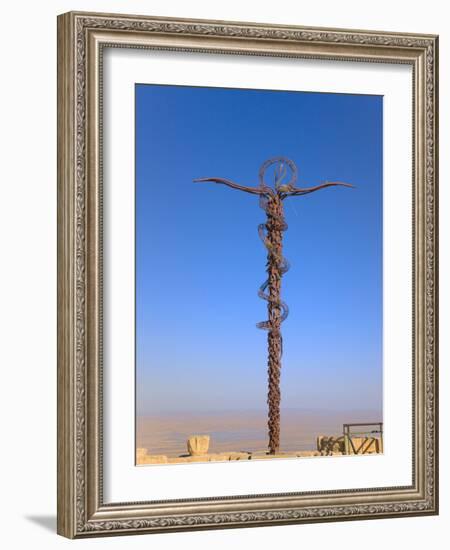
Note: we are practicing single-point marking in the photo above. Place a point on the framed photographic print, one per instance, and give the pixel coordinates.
(247, 276)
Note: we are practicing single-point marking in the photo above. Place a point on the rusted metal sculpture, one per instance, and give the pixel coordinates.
(271, 234)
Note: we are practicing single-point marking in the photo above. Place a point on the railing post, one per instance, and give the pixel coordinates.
(346, 441)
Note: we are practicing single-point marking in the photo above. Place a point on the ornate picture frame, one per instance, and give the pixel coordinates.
(82, 40)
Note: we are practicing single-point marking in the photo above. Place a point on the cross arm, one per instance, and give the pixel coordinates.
(232, 184)
(304, 191)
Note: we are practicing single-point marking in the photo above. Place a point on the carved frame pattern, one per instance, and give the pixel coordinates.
(81, 37)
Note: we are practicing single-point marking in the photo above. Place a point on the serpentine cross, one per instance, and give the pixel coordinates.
(271, 233)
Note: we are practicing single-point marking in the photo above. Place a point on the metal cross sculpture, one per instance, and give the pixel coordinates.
(271, 233)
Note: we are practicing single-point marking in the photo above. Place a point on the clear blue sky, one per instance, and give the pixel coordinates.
(199, 260)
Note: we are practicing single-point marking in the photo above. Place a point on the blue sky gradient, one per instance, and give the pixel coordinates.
(199, 260)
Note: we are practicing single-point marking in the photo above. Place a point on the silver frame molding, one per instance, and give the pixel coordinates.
(81, 39)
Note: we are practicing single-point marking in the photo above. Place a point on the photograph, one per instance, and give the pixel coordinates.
(259, 271)
(247, 274)
(223, 244)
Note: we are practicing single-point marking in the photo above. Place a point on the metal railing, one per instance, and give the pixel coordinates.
(369, 436)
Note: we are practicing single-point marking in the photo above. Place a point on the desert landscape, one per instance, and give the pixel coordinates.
(243, 435)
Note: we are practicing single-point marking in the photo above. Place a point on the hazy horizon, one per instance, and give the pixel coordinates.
(242, 430)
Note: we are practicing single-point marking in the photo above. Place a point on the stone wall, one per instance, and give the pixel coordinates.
(198, 446)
